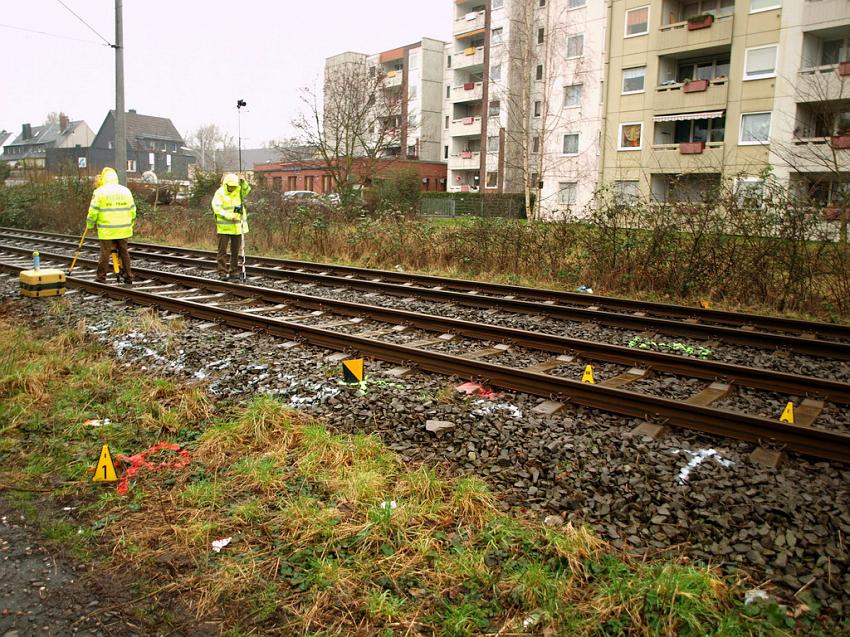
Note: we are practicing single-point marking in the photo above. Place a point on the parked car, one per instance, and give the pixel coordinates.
(306, 198)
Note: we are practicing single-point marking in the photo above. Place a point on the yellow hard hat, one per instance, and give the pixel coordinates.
(230, 179)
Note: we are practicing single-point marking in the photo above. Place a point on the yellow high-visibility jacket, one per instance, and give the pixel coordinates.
(227, 221)
(112, 210)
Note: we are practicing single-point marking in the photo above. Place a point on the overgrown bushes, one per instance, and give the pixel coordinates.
(59, 205)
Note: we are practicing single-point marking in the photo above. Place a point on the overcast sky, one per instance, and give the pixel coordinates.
(190, 60)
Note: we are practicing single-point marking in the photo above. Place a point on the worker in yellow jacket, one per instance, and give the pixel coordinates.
(113, 212)
(231, 222)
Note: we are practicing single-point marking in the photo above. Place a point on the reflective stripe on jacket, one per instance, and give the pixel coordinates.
(223, 205)
(113, 211)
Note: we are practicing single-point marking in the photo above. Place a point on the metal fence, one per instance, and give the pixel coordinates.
(512, 206)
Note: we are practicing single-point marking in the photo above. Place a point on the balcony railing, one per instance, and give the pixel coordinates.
(688, 155)
(465, 127)
(467, 92)
(465, 160)
(691, 95)
(824, 83)
(472, 56)
(678, 36)
(472, 21)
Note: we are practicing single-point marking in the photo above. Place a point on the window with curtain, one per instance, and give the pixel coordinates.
(637, 21)
(630, 136)
(575, 46)
(755, 128)
(634, 79)
(567, 193)
(572, 95)
(571, 144)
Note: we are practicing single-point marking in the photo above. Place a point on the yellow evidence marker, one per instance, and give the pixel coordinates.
(352, 370)
(704, 304)
(105, 470)
(587, 376)
(788, 414)
(116, 265)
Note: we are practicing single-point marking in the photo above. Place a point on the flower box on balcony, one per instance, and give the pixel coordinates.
(834, 214)
(466, 154)
(695, 86)
(841, 141)
(700, 22)
(691, 148)
(844, 68)
(468, 86)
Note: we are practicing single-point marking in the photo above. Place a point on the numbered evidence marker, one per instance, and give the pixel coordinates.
(105, 471)
(352, 370)
(788, 414)
(587, 376)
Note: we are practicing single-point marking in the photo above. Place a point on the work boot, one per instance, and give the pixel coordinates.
(223, 277)
(128, 282)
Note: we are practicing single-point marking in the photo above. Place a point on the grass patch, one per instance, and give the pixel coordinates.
(330, 534)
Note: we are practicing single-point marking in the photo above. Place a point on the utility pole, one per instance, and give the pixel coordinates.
(120, 118)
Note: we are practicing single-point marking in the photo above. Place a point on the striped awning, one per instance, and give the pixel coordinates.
(681, 117)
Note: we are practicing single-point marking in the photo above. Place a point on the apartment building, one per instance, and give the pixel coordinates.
(522, 102)
(411, 77)
(810, 116)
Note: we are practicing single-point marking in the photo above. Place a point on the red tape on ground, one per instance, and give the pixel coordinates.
(139, 461)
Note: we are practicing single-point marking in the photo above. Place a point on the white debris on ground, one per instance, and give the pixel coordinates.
(697, 458)
(487, 407)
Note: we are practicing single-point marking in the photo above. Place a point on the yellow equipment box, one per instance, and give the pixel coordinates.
(45, 282)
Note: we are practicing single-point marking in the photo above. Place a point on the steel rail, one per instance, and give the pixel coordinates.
(724, 317)
(819, 443)
(800, 345)
(753, 377)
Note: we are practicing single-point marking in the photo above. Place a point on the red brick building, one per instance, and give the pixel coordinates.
(313, 175)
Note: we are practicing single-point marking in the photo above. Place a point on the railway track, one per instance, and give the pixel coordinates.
(812, 338)
(327, 323)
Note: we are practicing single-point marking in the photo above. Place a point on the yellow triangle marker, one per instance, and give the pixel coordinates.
(788, 414)
(352, 370)
(587, 376)
(704, 304)
(105, 471)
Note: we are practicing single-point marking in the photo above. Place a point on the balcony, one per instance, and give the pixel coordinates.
(393, 79)
(678, 37)
(683, 158)
(468, 58)
(467, 92)
(824, 11)
(683, 97)
(465, 127)
(824, 83)
(821, 154)
(466, 160)
(472, 21)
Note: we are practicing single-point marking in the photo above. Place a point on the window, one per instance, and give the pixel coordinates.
(637, 22)
(496, 73)
(292, 183)
(539, 74)
(541, 34)
(699, 130)
(495, 108)
(542, 3)
(575, 46)
(575, 4)
(445, 152)
(308, 182)
(492, 180)
(706, 69)
(535, 144)
(131, 165)
(447, 121)
(634, 79)
(448, 92)
(572, 95)
(412, 92)
(630, 136)
(535, 181)
(277, 183)
(493, 144)
(538, 107)
(109, 145)
(749, 192)
(327, 184)
(449, 62)
(567, 193)
(571, 144)
(760, 62)
(497, 4)
(834, 51)
(764, 5)
(627, 190)
(755, 128)
(496, 36)
(151, 160)
(718, 8)
(168, 162)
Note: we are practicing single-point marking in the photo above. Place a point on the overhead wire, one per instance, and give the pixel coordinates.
(52, 35)
(91, 28)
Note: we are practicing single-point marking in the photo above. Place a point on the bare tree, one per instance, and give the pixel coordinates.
(211, 143)
(352, 126)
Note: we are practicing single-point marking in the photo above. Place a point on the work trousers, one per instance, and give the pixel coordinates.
(104, 265)
(235, 241)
